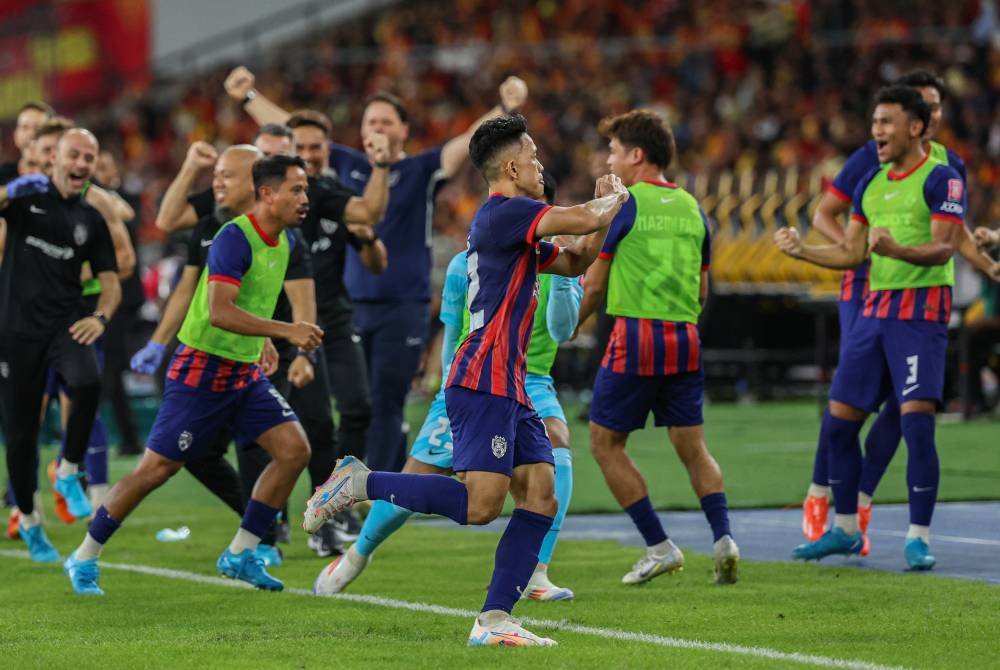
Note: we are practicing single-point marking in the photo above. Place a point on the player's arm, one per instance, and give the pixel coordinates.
(175, 212)
(371, 250)
(240, 87)
(980, 260)
(177, 306)
(105, 205)
(589, 217)
(840, 256)
(302, 297)
(89, 328)
(595, 287)
(986, 238)
(826, 218)
(22, 186)
(370, 207)
(563, 310)
(513, 93)
(703, 288)
(575, 257)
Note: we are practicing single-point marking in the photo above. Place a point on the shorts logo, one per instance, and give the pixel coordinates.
(80, 234)
(4, 369)
(499, 446)
(185, 440)
(955, 189)
(329, 227)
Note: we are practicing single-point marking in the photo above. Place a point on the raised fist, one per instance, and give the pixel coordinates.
(201, 155)
(513, 93)
(377, 148)
(239, 82)
(788, 240)
(609, 184)
(986, 238)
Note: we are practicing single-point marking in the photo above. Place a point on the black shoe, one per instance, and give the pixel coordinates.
(347, 524)
(325, 541)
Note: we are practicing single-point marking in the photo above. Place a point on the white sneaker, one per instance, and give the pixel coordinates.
(335, 494)
(335, 577)
(727, 560)
(499, 629)
(540, 588)
(652, 565)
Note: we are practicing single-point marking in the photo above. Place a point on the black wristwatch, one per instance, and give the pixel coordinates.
(251, 94)
(100, 317)
(372, 241)
(311, 355)
(384, 164)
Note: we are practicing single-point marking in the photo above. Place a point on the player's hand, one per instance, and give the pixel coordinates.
(28, 184)
(304, 335)
(513, 93)
(239, 82)
(881, 242)
(268, 360)
(147, 360)
(995, 272)
(201, 155)
(364, 233)
(609, 184)
(986, 238)
(87, 330)
(301, 372)
(377, 148)
(788, 241)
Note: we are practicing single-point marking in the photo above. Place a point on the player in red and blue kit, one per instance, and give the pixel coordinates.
(884, 435)
(500, 445)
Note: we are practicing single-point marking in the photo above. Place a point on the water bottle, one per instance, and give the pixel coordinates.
(171, 535)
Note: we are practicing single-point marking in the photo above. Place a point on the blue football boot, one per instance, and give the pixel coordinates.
(39, 547)
(270, 554)
(70, 488)
(917, 554)
(834, 541)
(248, 567)
(83, 575)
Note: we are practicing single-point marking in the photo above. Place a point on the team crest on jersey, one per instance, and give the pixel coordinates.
(185, 440)
(499, 446)
(329, 227)
(80, 234)
(955, 189)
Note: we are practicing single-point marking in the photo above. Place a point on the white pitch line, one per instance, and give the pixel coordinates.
(428, 608)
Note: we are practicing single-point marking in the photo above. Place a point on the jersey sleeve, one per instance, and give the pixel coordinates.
(706, 244)
(203, 202)
(619, 228)
(456, 285)
(563, 310)
(194, 244)
(858, 164)
(858, 210)
(334, 203)
(101, 250)
(299, 259)
(513, 222)
(343, 158)
(956, 162)
(547, 254)
(230, 256)
(944, 192)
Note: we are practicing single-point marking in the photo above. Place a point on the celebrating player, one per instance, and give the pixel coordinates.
(910, 210)
(214, 383)
(555, 320)
(500, 444)
(654, 270)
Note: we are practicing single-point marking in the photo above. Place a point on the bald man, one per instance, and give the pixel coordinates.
(51, 233)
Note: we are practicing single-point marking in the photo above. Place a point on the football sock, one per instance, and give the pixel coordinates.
(817, 491)
(717, 512)
(922, 467)
(923, 532)
(846, 522)
(66, 468)
(564, 492)
(31, 520)
(516, 557)
(845, 461)
(864, 500)
(426, 494)
(646, 521)
(101, 529)
(95, 460)
(88, 549)
(257, 521)
(880, 446)
(821, 461)
(383, 520)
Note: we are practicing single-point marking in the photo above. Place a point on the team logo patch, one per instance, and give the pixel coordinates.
(185, 440)
(955, 188)
(80, 234)
(499, 446)
(329, 227)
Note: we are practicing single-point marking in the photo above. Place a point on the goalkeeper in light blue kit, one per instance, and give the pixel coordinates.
(555, 320)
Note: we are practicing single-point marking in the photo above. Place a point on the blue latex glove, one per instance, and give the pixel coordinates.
(147, 360)
(27, 185)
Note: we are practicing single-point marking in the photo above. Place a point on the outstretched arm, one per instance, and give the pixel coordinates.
(240, 87)
(589, 217)
(369, 209)
(513, 93)
(176, 213)
(576, 256)
(840, 256)
(106, 206)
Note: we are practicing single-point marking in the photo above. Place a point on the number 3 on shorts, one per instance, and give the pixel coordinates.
(911, 363)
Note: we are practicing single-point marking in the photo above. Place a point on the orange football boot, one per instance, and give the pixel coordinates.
(62, 509)
(815, 511)
(864, 518)
(13, 523)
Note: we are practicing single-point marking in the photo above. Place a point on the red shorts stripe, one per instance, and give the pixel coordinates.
(222, 376)
(645, 347)
(870, 302)
(884, 303)
(694, 347)
(621, 346)
(907, 303)
(183, 354)
(193, 377)
(932, 308)
(947, 304)
(847, 286)
(670, 349)
(241, 376)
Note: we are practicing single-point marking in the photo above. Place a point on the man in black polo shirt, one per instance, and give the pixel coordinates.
(51, 232)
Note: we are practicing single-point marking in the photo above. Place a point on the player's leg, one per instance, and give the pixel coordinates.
(22, 383)
(532, 487)
(917, 352)
(881, 444)
(347, 372)
(217, 474)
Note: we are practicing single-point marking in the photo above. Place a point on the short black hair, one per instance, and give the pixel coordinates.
(273, 170)
(389, 98)
(301, 118)
(644, 129)
(550, 187)
(275, 129)
(923, 79)
(491, 137)
(909, 99)
(39, 106)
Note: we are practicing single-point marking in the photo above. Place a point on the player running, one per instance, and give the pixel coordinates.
(909, 213)
(654, 270)
(555, 320)
(884, 436)
(214, 384)
(500, 444)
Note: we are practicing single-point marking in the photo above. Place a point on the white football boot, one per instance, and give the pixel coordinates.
(727, 560)
(344, 569)
(652, 565)
(335, 494)
(496, 628)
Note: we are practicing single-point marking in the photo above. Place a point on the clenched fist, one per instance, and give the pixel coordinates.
(513, 93)
(201, 155)
(377, 148)
(881, 241)
(986, 238)
(788, 241)
(304, 335)
(239, 82)
(610, 184)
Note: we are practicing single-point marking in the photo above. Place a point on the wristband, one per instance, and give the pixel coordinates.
(311, 355)
(385, 164)
(251, 94)
(372, 241)
(100, 317)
